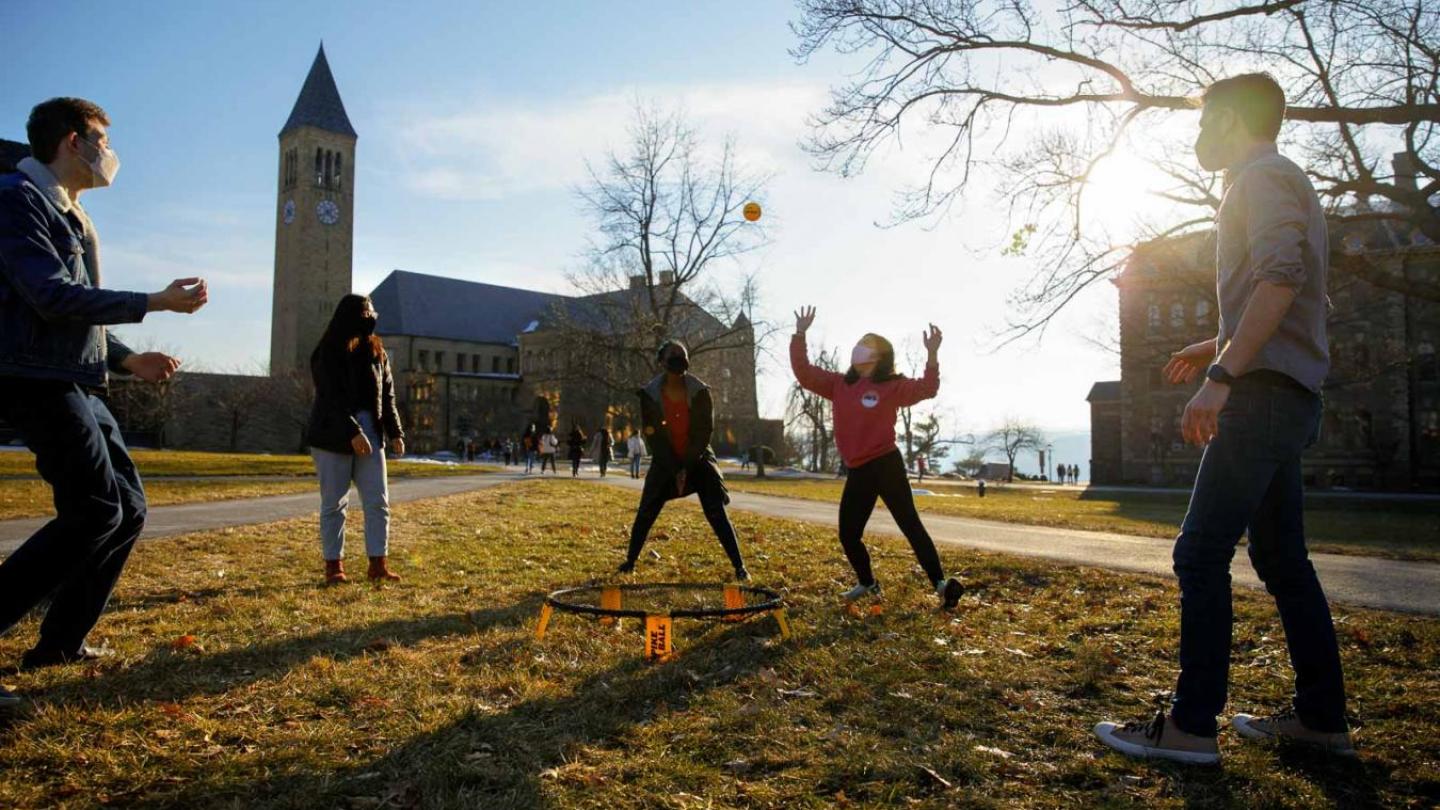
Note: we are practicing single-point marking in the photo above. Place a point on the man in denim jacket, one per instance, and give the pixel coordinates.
(55, 352)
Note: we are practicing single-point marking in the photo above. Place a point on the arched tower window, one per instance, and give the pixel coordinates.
(338, 173)
(329, 168)
(319, 166)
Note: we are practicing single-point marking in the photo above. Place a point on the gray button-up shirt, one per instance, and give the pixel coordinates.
(1270, 227)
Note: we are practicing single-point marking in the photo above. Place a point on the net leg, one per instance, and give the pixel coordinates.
(784, 622)
(540, 627)
(609, 600)
(733, 601)
(659, 638)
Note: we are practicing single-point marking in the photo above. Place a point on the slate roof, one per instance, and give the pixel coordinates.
(454, 309)
(319, 104)
(11, 153)
(1106, 391)
(421, 305)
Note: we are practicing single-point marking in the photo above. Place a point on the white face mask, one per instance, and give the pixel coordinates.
(105, 165)
(863, 354)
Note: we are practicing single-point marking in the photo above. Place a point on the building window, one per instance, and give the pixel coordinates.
(1202, 312)
(509, 365)
(338, 174)
(439, 361)
(1177, 315)
(1428, 369)
(1152, 317)
(725, 372)
(329, 170)
(494, 364)
(459, 362)
(423, 358)
(319, 166)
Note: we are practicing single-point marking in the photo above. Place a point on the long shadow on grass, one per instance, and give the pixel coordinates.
(171, 675)
(497, 759)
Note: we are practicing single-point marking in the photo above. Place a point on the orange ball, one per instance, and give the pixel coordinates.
(752, 211)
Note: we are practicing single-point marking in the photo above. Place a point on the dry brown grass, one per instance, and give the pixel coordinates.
(433, 693)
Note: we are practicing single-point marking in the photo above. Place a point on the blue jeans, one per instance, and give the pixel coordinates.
(1250, 480)
(635, 459)
(76, 558)
(336, 471)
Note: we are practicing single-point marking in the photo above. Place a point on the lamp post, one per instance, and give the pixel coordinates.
(1050, 462)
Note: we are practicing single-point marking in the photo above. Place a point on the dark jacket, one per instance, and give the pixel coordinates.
(52, 316)
(576, 443)
(346, 383)
(698, 460)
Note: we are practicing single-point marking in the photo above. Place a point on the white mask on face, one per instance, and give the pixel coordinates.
(104, 166)
(862, 354)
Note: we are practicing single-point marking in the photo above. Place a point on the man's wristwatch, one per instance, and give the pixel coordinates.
(1217, 373)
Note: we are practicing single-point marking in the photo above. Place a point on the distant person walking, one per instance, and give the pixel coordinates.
(602, 449)
(678, 415)
(636, 446)
(353, 417)
(866, 399)
(55, 353)
(1256, 412)
(575, 443)
(529, 445)
(549, 446)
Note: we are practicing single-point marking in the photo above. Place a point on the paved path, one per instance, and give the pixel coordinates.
(1369, 581)
(1413, 587)
(164, 521)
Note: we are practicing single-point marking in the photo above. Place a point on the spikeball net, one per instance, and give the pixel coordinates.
(660, 604)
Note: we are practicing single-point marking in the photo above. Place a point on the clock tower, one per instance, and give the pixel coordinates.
(314, 219)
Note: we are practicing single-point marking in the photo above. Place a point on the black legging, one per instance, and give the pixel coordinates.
(712, 501)
(884, 477)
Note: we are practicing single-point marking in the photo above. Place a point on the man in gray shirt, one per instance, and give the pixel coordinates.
(1256, 412)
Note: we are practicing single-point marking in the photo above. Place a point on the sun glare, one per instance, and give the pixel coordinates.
(1120, 194)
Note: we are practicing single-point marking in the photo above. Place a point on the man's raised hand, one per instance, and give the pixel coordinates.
(184, 295)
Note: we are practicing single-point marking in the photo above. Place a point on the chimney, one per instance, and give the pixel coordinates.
(667, 277)
(637, 282)
(1404, 169)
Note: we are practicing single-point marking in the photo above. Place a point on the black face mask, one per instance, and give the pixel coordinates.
(367, 327)
(677, 363)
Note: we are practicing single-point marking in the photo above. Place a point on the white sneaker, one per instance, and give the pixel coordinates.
(860, 592)
(1287, 725)
(1158, 739)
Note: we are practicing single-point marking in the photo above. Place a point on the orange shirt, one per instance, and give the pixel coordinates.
(677, 420)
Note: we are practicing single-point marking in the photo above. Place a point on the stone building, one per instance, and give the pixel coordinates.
(481, 361)
(1381, 428)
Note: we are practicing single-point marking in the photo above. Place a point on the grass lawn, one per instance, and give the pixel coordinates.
(167, 476)
(1395, 528)
(154, 463)
(240, 682)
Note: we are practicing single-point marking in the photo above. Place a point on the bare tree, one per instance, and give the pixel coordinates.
(1362, 77)
(928, 444)
(669, 215)
(811, 416)
(1011, 438)
(970, 465)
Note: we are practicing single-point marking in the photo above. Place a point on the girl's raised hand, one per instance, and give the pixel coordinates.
(932, 339)
(804, 316)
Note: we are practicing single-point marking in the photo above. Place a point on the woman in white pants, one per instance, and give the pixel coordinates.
(353, 416)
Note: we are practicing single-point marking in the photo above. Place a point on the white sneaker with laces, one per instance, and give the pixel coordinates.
(861, 591)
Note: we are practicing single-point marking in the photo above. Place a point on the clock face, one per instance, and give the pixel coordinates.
(289, 211)
(328, 212)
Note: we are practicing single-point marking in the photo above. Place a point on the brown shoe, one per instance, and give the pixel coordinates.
(1159, 739)
(335, 572)
(1286, 725)
(380, 572)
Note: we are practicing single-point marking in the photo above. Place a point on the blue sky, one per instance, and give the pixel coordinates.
(474, 124)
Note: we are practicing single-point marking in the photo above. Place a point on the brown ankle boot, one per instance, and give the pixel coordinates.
(379, 571)
(335, 572)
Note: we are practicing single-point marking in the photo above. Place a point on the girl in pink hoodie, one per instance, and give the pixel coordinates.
(865, 400)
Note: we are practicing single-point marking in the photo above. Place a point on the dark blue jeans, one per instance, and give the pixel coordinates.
(1250, 480)
(76, 558)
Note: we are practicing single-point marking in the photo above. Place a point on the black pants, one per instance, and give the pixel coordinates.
(574, 465)
(76, 558)
(704, 481)
(1250, 481)
(885, 478)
